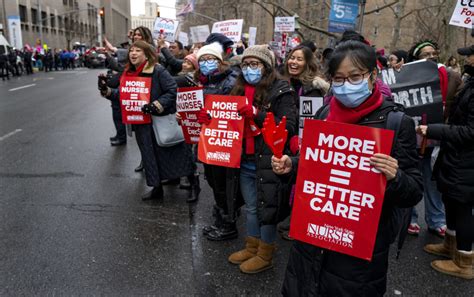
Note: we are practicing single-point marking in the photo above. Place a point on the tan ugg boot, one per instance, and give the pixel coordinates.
(444, 249)
(262, 261)
(461, 265)
(250, 250)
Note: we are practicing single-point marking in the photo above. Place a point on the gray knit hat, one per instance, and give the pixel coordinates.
(262, 52)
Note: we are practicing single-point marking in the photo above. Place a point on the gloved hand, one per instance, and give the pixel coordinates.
(150, 108)
(102, 82)
(204, 117)
(295, 145)
(248, 111)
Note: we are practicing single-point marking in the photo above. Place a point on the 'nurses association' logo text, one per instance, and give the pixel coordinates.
(331, 234)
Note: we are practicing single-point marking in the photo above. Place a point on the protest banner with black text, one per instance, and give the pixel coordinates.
(220, 142)
(232, 29)
(308, 108)
(134, 93)
(417, 87)
(189, 102)
(339, 195)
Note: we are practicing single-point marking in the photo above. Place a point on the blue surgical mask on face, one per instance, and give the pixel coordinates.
(252, 76)
(208, 67)
(351, 95)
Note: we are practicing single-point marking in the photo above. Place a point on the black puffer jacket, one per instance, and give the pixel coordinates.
(313, 271)
(272, 191)
(454, 170)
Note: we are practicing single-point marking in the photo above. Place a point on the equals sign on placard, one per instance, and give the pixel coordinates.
(340, 177)
(134, 96)
(222, 125)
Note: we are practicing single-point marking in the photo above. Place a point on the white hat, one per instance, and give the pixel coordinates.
(214, 49)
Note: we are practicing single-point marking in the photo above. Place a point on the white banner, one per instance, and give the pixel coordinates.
(308, 108)
(230, 28)
(14, 32)
(183, 38)
(285, 24)
(462, 14)
(252, 35)
(199, 33)
(165, 28)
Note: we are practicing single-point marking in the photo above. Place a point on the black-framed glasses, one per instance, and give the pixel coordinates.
(253, 65)
(353, 79)
(207, 60)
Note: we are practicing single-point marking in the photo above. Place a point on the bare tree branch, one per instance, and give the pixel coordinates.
(381, 8)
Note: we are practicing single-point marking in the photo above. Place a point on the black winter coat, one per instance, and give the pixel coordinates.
(272, 191)
(454, 169)
(314, 271)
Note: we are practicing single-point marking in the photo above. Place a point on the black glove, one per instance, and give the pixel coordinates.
(150, 108)
(102, 82)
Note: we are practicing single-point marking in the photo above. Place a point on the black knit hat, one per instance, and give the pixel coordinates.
(221, 38)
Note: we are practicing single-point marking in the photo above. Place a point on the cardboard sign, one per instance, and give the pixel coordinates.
(285, 24)
(252, 35)
(343, 15)
(308, 108)
(134, 93)
(230, 28)
(188, 104)
(462, 14)
(199, 33)
(165, 28)
(183, 38)
(220, 142)
(338, 195)
(417, 87)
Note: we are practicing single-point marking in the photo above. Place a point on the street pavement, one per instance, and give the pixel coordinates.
(72, 222)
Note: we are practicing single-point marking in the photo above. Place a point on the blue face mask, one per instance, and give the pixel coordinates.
(208, 67)
(252, 76)
(352, 95)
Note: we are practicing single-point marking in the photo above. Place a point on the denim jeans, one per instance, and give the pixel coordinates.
(434, 207)
(248, 187)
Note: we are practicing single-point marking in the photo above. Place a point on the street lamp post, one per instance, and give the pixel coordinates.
(40, 23)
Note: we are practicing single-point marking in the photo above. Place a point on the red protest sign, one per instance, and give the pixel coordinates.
(220, 142)
(339, 196)
(134, 93)
(188, 104)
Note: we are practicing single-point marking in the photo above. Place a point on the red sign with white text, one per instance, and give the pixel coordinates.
(134, 93)
(220, 142)
(339, 195)
(188, 104)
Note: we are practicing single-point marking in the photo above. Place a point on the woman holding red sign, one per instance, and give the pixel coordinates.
(262, 190)
(314, 271)
(159, 162)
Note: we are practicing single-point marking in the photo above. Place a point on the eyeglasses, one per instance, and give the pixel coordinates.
(207, 60)
(354, 79)
(253, 65)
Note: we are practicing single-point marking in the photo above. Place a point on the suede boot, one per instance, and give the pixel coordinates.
(250, 251)
(445, 249)
(461, 265)
(262, 261)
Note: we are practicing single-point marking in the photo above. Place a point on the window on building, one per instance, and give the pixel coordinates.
(44, 18)
(52, 20)
(23, 13)
(34, 16)
(65, 2)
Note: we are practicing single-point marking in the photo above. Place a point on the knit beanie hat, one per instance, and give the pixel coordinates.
(221, 38)
(261, 52)
(192, 58)
(214, 49)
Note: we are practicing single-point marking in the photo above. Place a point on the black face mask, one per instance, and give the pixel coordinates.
(469, 70)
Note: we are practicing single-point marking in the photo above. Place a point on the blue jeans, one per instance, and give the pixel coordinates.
(248, 187)
(434, 207)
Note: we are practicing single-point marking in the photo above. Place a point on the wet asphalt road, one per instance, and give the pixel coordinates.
(72, 222)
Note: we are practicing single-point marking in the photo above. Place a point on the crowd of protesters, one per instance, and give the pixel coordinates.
(347, 76)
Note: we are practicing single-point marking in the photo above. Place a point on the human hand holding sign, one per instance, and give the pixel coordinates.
(281, 165)
(385, 164)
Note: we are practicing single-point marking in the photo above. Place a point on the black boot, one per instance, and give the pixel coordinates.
(139, 167)
(155, 194)
(226, 232)
(195, 189)
(218, 221)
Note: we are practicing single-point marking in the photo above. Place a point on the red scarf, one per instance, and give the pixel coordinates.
(250, 129)
(138, 70)
(339, 113)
